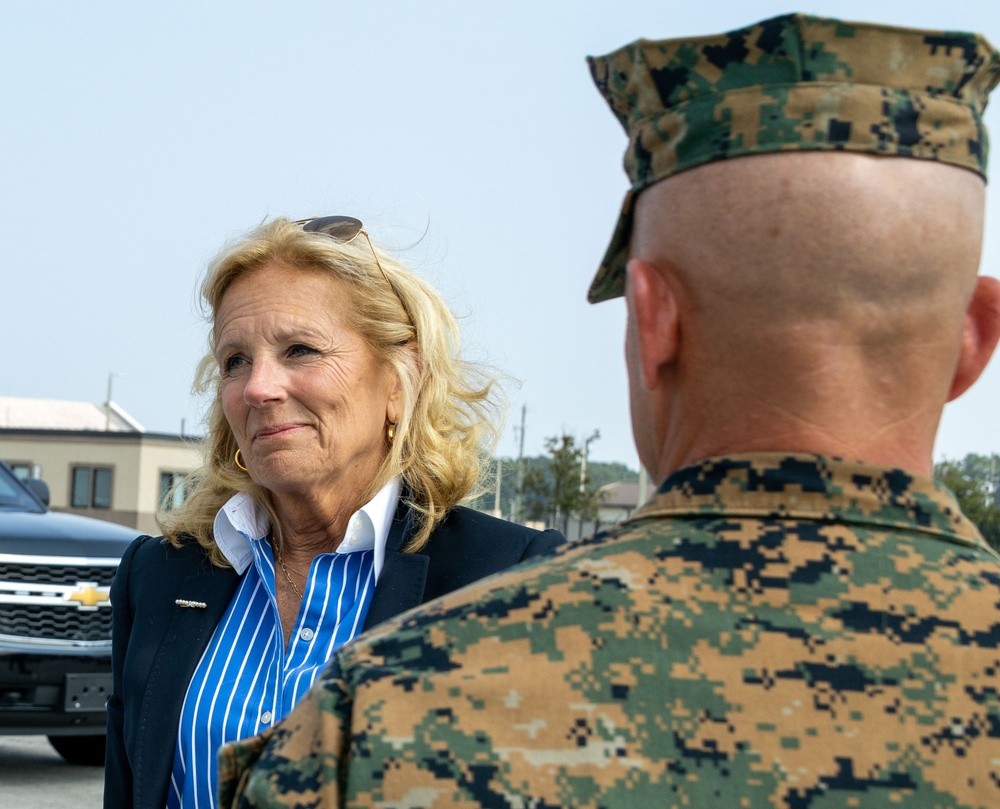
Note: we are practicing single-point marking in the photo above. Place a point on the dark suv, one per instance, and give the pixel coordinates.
(55, 619)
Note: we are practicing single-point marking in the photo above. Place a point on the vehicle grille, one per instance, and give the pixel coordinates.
(56, 600)
(45, 622)
(33, 573)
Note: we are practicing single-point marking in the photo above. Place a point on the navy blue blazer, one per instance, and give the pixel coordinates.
(157, 644)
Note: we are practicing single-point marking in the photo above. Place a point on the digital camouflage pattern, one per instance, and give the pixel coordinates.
(791, 83)
(769, 631)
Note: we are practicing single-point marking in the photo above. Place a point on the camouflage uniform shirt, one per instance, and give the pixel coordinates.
(768, 631)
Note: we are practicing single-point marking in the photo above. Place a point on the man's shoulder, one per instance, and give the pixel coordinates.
(506, 603)
(719, 560)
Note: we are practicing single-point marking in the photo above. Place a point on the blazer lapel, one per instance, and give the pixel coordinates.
(190, 629)
(401, 582)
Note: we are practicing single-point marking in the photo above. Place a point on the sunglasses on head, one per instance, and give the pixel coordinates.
(345, 229)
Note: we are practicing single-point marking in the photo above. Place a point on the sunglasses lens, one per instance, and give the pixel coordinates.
(341, 228)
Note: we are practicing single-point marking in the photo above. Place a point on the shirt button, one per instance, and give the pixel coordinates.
(306, 634)
(266, 717)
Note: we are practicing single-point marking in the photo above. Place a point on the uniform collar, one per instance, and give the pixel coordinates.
(241, 521)
(812, 487)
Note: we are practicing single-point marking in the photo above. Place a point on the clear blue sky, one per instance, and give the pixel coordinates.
(137, 138)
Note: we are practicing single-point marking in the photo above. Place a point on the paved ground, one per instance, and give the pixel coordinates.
(33, 776)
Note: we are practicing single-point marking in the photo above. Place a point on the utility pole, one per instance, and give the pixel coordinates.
(515, 515)
(643, 485)
(583, 466)
(496, 500)
(107, 404)
(583, 479)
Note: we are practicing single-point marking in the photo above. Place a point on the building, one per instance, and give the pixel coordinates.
(617, 501)
(96, 459)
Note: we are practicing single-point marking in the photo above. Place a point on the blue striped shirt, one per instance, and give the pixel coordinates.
(247, 679)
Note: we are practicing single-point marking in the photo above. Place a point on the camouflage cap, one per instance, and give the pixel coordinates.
(791, 83)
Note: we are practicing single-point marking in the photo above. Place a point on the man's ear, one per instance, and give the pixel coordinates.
(979, 335)
(653, 320)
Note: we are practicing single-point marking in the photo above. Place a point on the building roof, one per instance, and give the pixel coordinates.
(55, 414)
(623, 494)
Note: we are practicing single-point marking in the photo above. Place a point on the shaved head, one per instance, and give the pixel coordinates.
(808, 281)
(806, 235)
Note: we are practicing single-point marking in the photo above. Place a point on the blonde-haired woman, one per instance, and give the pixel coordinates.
(344, 431)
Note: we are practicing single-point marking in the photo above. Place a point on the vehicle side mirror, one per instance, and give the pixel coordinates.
(39, 488)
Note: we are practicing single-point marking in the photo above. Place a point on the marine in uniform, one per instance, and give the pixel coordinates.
(800, 616)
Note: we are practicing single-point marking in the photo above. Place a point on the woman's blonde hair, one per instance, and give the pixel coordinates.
(451, 409)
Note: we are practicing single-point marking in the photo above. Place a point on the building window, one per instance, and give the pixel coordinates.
(20, 470)
(91, 487)
(173, 490)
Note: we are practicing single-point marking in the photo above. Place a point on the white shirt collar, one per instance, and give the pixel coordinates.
(240, 522)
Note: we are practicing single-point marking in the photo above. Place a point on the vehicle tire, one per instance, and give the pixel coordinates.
(87, 751)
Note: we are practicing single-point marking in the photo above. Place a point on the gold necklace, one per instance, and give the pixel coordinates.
(284, 570)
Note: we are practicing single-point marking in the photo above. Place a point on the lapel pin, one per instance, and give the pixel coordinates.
(198, 605)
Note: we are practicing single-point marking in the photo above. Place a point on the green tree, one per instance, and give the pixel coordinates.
(599, 473)
(973, 481)
(560, 488)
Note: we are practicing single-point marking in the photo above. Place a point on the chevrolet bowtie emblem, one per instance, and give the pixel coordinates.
(89, 596)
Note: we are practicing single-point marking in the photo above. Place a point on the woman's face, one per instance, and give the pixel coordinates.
(301, 390)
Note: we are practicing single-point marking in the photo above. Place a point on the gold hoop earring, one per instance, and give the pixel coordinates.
(390, 432)
(238, 462)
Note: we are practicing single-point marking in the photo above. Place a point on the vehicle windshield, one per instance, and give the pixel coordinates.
(13, 496)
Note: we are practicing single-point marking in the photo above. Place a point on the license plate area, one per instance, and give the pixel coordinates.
(86, 692)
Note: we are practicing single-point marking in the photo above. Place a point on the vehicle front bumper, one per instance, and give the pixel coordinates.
(53, 690)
